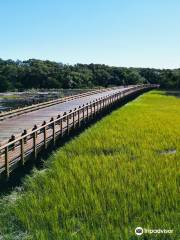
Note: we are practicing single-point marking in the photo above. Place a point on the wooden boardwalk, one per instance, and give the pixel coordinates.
(35, 129)
(17, 124)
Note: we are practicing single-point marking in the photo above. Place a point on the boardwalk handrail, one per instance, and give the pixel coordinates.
(18, 149)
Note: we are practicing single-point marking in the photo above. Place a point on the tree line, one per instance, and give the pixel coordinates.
(35, 73)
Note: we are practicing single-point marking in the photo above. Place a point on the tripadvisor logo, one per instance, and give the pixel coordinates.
(139, 231)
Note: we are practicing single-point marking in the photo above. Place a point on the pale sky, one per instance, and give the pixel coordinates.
(136, 33)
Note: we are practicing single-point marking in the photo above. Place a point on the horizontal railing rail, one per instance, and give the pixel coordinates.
(17, 150)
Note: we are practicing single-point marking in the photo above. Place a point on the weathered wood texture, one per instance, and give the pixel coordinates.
(45, 125)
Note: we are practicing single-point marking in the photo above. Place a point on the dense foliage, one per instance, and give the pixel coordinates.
(119, 174)
(46, 74)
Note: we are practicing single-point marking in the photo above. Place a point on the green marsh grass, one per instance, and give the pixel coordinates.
(119, 174)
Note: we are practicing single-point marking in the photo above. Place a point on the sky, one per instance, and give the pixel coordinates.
(129, 33)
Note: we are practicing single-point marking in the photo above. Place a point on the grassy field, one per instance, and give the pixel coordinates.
(119, 174)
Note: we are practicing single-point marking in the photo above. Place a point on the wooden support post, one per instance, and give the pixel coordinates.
(11, 140)
(91, 109)
(94, 105)
(100, 105)
(45, 138)
(24, 133)
(53, 128)
(68, 124)
(6, 162)
(79, 118)
(22, 151)
(54, 133)
(61, 127)
(103, 103)
(34, 145)
(83, 114)
(73, 120)
(34, 128)
(87, 110)
(97, 106)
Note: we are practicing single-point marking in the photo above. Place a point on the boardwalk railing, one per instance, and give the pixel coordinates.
(29, 144)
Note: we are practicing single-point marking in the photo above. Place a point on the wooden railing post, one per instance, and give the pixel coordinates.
(110, 100)
(24, 133)
(94, 105)
(105, 103)
(68, 124)
(87, 110)
(100, 104)
(45, 135)
(73, 119)
(61, 127)
(79, 123)
(22, 151)
(34, 128)
(83, 114)
(11, 140)
(54, 132)
(91, 109)
(6, 162)
(97, 106)
(34, 145)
